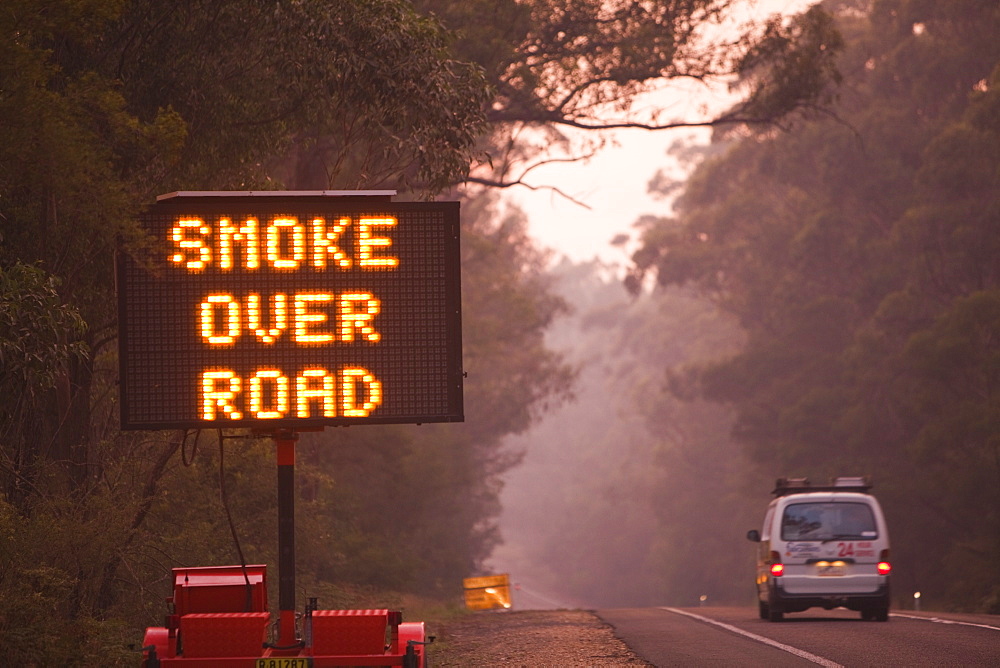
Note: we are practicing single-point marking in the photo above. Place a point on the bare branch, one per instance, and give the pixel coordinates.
(518, 182)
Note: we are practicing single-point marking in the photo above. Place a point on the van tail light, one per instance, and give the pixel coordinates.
(777, 568)
(884, 567)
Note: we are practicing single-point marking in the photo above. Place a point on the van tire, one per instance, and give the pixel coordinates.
(762, 609)
(876, 614)
(774, 614)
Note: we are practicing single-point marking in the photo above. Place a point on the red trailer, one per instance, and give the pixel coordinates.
(219, 619)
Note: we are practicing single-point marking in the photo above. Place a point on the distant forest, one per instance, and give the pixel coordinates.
(827, 303)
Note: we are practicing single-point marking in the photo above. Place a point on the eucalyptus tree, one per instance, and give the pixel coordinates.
(584, 65)
(106, 104)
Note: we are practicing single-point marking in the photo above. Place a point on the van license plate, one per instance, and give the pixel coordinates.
(830, 570)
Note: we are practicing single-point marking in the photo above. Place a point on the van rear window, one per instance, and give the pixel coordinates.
(828, 521)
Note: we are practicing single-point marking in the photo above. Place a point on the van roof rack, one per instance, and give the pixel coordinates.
(785, 486)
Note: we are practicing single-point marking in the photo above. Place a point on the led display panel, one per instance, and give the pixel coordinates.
(291, 310)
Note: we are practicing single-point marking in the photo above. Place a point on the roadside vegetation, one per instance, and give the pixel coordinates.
(849, 232)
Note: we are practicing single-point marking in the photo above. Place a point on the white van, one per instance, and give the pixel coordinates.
(823, 546)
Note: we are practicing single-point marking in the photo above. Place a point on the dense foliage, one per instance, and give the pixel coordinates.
(105, 103)
(859, 254)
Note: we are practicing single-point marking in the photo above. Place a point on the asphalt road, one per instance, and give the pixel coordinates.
(716, 636)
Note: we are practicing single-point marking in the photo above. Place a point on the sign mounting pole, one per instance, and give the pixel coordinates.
(285, 441)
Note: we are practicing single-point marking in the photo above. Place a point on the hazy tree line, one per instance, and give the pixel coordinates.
(859, 255)
(629, 495)
(106, 103)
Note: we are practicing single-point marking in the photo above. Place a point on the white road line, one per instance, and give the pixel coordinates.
(753, 636)
(938, 620)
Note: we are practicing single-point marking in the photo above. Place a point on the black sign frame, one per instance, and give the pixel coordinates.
(400, 363)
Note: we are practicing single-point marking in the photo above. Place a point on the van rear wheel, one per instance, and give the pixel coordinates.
(774, 614)
(876, 614)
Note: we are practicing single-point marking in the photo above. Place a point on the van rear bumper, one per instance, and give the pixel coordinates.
(782, 600)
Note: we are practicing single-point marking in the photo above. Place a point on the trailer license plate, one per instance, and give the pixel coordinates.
(285, 662)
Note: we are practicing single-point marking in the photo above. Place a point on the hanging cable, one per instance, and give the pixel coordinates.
(194, 447)
(248, 604)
